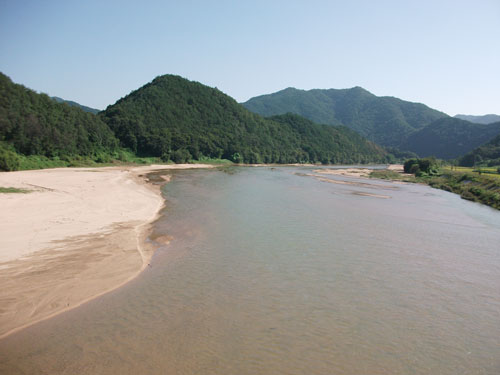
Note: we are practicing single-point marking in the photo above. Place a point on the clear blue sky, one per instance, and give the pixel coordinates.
(444, 53)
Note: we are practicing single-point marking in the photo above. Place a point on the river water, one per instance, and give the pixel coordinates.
(272, 271)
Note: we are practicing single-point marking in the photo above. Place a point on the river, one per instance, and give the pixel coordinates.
(274, 271)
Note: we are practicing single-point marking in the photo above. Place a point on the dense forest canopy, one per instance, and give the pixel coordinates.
(391, 122)
(450, 138)
(171, 118)
(487, 154)
(177, 120)
(385, 120)
(75, 104)
(34, 124)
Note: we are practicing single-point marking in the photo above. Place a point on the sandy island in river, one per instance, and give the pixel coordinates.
(77, 234)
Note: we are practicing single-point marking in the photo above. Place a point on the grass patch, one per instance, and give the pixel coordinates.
(471, 186)
(8, 190)
(478, 187)
(490, 171)
(386, 174)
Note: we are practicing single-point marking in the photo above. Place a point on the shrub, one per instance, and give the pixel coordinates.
(9, 160)
(181, 156)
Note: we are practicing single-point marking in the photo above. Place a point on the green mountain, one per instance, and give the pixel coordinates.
(75, 104)
(488, 154)
(177, 120)
(449, 138)
(394, 123)
(486, 119)
(34, 124)
(385, 120)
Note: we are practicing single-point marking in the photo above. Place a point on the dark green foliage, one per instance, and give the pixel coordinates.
(385, 120)
(487, 154)
(449, 138)
(422, 167)
(388, 121)
(330, 144)
(9, 160)
(34, 124)
(177, 120)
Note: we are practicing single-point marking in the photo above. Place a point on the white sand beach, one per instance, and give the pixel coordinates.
(77, 233)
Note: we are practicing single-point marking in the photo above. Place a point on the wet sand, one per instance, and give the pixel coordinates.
(78, 233)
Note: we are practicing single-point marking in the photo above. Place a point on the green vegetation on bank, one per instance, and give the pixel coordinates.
(478, 185)
(471, 186)
(422, 167)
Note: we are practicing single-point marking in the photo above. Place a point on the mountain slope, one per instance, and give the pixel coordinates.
(385, 120)
(486, 119)
(34, 124)
(75, 104)
(178, 119)
(488, 153)
(449, 138)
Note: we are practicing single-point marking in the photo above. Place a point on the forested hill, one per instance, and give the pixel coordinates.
(385, 120)
(177, 119)
(75, 104)
(450, 138)
(487, 154)
(34, 124)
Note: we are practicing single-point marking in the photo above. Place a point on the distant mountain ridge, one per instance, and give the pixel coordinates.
(485, 119)
(388, 121)
(385, 120)
(75, 104)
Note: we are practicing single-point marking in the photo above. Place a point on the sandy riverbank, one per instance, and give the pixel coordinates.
(357, 172)
(78, 234)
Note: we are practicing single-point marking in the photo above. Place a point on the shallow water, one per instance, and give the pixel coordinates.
(270, 272)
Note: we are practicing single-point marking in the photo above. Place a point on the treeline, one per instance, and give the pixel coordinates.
(177, 120)
(34, 124)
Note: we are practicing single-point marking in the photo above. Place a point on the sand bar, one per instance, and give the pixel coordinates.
(78, 233)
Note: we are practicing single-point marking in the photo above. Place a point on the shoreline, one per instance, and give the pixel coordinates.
(80, 233)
